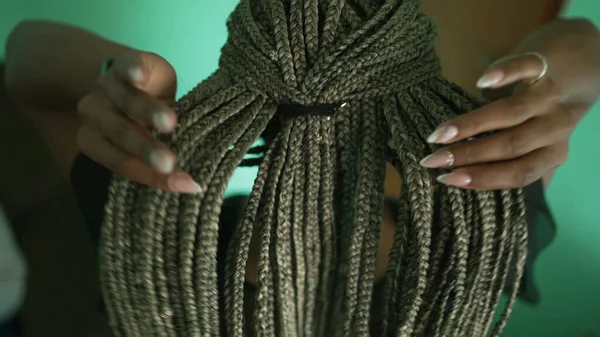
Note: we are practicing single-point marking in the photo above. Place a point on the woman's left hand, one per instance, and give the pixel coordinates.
(532, 130)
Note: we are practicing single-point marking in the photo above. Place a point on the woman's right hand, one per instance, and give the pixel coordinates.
(133, 97)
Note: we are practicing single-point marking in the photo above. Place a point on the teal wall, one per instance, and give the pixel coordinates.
(189, 33)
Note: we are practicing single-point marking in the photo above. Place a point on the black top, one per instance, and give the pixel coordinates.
(91, 180)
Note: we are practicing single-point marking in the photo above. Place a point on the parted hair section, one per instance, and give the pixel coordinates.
(365, 75)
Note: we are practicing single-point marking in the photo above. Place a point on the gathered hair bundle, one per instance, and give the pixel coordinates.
(336, 88)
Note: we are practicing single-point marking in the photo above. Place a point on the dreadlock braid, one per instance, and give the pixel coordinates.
(328, 84)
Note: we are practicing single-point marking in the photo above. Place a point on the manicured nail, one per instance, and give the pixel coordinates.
(136, 74)
(459, 179)
(183, 183)
(162, 121)
(438, 159)
(490, 79)
(162, 161)
(443, 134)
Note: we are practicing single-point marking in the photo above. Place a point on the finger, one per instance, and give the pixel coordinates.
(511, 69)
(147, 72)
(102, 151)
(510, 174)
(501, 114)
(130, 68)
(509, 144)
(126, 135)
(139, 105)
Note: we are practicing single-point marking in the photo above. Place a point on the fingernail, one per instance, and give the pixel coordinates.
(438, 159)
(162, 121)
(162, 161)
(443, 134)
(136, 74)
(459, 179)
(490, 79)
(183, 183)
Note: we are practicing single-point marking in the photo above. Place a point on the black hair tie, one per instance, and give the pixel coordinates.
(296, 110)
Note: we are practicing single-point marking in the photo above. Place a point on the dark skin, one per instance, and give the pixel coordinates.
(116, 109)
(32, 81)
(535, 123)
(553, 105)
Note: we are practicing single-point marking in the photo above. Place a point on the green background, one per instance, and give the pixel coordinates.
(189, 33)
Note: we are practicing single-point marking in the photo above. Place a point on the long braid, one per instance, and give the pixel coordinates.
(328, 84)
(298, 223)
(374, 157)
(313, 167)
(328, 231)
(285, 271)
(348, 142)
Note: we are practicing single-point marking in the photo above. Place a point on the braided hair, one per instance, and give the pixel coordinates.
(328, 84)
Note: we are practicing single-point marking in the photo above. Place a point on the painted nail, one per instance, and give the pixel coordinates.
(443, 134)
(459, 179)
(438, 159)
(162, 121)
(162, 161)
(490, 79)
(183, 183)
(136, 74)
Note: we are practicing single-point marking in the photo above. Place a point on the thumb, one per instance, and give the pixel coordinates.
(512, 69)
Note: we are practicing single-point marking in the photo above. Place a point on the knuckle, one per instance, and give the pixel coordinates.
(567, 128)
(562, 159)
(468, 155)
(551, 91)
(129, 103)
(118, 131)
(517, 108)
(120, 166)
(517, 144)
(562, 156)
(138, 107)
(472, 124)
(135, 106)
(570, 118)
(524, 176)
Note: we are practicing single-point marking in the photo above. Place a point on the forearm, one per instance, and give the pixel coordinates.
(51, 66)
(572, 47)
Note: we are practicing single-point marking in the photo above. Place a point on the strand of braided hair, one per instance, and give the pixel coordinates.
(332, 82)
